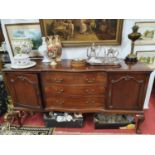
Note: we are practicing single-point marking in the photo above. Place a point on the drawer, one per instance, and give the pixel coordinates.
(75, 102)
(74, 78)
(60, 89)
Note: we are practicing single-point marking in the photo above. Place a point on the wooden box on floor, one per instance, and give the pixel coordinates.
(51, 122)
(115, 124)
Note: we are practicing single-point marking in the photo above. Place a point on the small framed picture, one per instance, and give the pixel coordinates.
(17, 33)
(148, 57)
(147, 30)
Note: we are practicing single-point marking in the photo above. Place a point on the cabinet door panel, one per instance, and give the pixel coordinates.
(127, 91)
(24, 90)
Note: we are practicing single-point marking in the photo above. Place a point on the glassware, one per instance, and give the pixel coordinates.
(91, 52)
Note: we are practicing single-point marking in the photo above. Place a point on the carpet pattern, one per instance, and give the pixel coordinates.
(25, 131)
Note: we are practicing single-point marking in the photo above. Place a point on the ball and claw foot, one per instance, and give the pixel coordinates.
(139, 120)
(11, 116)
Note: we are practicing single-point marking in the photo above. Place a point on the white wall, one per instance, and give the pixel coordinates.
(80, 52)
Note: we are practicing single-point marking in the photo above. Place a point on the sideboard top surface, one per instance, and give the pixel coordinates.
(65, 65)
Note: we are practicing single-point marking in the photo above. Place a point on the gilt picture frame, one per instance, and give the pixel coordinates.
(147, 30)
(21, 31)
(146, 56)
(83, 32)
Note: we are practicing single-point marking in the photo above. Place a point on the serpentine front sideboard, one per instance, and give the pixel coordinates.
(86, 89)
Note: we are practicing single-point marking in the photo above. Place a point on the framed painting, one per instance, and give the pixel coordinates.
(147, 30)
(1, 34)
(148, 57)
(23, 31)
(83, 32)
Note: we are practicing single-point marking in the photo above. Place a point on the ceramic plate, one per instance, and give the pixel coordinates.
(31, 64)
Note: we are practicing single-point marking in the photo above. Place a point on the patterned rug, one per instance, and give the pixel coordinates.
(25, 131)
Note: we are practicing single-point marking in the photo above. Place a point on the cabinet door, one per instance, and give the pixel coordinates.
(24, 90)
(126, 91)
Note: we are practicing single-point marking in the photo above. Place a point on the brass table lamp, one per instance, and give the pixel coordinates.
(132, 58)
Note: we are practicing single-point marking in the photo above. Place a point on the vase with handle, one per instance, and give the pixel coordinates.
(43, 49)
(57, 43)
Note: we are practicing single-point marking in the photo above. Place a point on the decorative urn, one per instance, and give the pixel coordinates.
(54, 49)
(22, 47)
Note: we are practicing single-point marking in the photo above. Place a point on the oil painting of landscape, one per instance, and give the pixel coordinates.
(147, 30)
(84, 31)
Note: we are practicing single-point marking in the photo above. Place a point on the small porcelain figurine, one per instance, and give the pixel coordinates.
(43, 49)
(68, 117)
(64, 118)
(78, 115)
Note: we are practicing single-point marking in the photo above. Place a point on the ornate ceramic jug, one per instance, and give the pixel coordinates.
(51, 48)
(57, 43)
(54, 48)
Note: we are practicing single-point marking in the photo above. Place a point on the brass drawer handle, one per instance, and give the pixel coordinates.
(58, 80)
(110, 106)
(90, 102)
(59, 91)
(90, 91)
(90, 80)
(60, 102)
(12, 80)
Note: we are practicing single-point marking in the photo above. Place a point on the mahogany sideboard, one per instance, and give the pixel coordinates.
(86, 89)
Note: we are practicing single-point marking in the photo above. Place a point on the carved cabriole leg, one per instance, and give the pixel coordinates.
(18, 117)
(32, 113)
(11, 116)
(24, 115)
(21, 115)
(139, 120)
